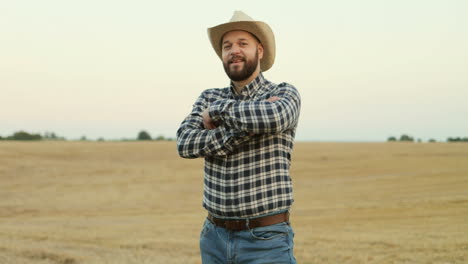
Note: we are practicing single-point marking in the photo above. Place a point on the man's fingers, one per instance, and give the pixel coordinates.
(207, 121)
(209, 125)
(273, 99)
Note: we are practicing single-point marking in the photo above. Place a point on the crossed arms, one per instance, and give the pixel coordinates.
(217, 128)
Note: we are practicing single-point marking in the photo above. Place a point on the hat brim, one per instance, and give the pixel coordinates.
(258, 28)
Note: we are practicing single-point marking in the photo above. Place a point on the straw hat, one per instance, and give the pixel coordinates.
(241, 21)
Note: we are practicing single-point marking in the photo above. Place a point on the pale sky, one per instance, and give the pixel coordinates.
(366, 70)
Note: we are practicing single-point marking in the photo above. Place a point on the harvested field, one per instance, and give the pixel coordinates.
(138, 202)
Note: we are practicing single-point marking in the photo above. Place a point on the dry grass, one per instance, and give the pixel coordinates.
(137, 202)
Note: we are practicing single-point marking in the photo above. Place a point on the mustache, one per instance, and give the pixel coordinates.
(241, 58)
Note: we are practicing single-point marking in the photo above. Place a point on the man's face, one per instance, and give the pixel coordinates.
(241, 54)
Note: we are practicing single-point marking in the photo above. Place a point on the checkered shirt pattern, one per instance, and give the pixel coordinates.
(248, 155)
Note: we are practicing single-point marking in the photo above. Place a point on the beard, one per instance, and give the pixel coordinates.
(239, 75)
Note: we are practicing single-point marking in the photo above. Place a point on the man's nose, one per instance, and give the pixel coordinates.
(235, 49)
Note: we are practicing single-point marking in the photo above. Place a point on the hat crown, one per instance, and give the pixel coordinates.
(240, 16)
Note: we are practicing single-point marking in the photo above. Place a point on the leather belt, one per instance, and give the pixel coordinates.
(239, 225)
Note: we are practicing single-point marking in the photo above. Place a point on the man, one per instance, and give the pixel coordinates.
(245, 132)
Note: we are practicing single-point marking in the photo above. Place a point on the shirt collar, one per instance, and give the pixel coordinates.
(251, 88)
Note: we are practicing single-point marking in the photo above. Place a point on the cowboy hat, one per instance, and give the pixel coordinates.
(241, 21)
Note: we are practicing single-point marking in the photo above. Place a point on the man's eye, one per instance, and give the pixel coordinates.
(226, 47)
(244, 44)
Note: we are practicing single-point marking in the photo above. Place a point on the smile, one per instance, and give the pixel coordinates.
(235, 61)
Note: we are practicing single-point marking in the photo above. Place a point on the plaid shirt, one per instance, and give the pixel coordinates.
(248, 155)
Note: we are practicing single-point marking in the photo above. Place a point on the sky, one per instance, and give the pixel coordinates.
(366, 70)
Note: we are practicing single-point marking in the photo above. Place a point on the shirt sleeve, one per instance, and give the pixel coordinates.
(260, 117)
(194, 141)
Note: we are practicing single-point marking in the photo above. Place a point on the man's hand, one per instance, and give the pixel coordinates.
(273, 99)
(207, 121)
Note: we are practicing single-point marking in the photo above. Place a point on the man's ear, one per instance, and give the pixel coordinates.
(260, 51)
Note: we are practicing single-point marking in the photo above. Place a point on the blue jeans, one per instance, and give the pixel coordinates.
(270, 244)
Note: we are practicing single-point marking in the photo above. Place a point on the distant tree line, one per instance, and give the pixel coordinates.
(25, 136)
(457, 139)
(22, 135)
(408, 138)
(403, 137)
(143, 135)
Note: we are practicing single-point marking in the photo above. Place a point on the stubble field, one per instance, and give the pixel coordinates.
(138, 202)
